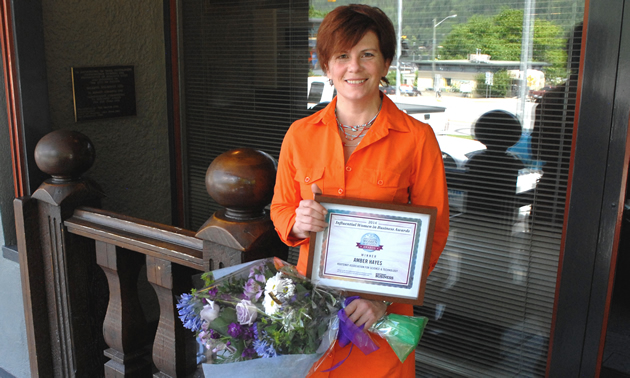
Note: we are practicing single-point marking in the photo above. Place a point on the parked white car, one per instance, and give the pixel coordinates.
(320, 91)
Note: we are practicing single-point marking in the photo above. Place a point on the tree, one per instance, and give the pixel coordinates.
(501, 83)
(314, 13)
(500, 37)
(391, 76)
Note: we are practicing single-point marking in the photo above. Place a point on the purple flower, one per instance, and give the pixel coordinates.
(249, 333)
(264, 349)
(235, 330)
(246, 312)
(249, 352)
(214, 334)
(254, 329)
(256, 269)
(253, 287)
(213, 292)
(187, 313)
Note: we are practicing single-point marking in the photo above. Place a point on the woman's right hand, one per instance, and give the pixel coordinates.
(309, 216)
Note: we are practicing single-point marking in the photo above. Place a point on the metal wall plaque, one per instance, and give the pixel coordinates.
(103, 92)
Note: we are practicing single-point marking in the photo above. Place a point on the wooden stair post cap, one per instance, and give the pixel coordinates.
(64, 154)
(242, 181)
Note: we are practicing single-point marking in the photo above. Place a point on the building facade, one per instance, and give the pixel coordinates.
(214, 76)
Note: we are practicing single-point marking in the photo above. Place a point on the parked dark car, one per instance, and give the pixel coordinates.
(389, 90)
(405, 90)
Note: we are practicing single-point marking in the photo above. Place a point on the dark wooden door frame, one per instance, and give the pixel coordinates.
(26, 88)
(587, 263)
(175, 133)
(11, 89)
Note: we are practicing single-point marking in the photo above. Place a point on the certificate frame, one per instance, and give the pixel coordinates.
(376, 250)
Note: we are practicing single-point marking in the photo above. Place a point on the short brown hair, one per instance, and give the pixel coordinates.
(344, 27)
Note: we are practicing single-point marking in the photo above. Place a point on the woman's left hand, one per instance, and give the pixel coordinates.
(365, 311)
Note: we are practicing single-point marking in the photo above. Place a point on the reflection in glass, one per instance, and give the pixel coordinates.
(508, 98)
(248, 71)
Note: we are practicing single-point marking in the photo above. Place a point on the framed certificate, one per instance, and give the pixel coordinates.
(376, 250)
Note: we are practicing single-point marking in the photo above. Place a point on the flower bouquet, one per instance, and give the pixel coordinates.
(273, 321)
(262, 310)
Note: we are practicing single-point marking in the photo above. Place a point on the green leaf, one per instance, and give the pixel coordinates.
(240, 347)
(208, 278)
(229, 314)
(300, 289)
(220, 325)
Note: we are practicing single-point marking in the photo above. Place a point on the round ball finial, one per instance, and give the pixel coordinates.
(64, 154)
(242, 181)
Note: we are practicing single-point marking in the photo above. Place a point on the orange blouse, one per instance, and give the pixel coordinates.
(398, 160)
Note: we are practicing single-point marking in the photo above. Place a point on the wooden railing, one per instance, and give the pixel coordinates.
(83, 323)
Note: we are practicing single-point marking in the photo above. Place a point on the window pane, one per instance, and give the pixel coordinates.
(503, 81)
(244, 81)
(506, 143)
(496, 81)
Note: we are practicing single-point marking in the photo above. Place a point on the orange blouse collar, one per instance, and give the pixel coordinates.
(390, 116)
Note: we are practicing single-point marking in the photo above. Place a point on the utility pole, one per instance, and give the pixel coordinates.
(399, 48)
(435, 25)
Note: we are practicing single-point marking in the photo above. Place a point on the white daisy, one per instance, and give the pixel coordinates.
(282, 288)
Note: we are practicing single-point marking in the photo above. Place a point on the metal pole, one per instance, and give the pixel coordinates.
(435, 25)
(433, 56)
(526, 56)
(399, 48)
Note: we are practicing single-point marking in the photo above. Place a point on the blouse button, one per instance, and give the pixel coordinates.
(307, 179)
(348, 169)
(340, 191)
(380, 182)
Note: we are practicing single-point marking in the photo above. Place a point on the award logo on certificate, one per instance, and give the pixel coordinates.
(373, 249)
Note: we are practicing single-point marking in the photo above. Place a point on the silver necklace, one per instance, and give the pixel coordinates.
(364, 127)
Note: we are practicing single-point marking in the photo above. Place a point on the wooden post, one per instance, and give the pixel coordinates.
(241, 181)
(174, 347)
(61, 282)
(124, 328)
(32, 276)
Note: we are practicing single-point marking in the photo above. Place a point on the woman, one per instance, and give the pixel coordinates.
(360, 146)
